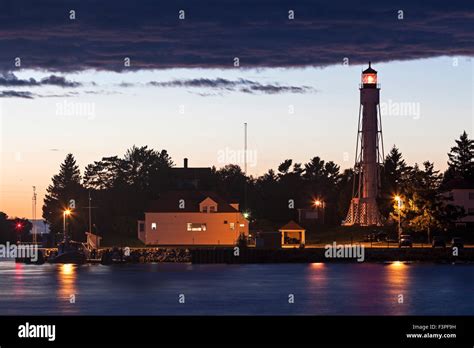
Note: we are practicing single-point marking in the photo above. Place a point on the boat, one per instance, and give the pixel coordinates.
(69, 252)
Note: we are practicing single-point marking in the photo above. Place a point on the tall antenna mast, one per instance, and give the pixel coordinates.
(90, 213)
(245, 165)
(34, 214)
(245, 148)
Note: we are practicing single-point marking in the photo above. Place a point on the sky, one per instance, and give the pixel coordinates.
(296, 84)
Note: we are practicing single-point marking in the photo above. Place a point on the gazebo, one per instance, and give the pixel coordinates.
(292, 235)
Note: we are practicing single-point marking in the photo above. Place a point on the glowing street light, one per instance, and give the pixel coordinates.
(66, 213)
(318, 203)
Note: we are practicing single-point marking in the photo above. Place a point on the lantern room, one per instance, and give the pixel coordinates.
(369, 77)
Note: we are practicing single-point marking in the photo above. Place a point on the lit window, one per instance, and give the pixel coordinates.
(232, 226)
(242, 225)
(196, 227)
(153, 225)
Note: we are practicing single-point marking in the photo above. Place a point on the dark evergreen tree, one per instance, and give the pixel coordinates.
(461, 160)
(66, 186)
(392, 174)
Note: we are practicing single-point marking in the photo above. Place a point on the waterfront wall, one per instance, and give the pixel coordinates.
(228, 255)
(251, 255)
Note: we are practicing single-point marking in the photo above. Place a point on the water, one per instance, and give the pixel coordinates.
(318, 289)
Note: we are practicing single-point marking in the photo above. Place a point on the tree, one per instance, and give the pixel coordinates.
(393, 170)
(314, 169)
(122, 187)
(142, 167)
(461, 160)
(425, 207)
(12, 230)
(322, 180)
(104, 174)
(5, 228)
(65, 186)
(21, 228)
(284, 167)
(231, 182)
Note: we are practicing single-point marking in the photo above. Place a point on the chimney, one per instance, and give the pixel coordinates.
(185, 163)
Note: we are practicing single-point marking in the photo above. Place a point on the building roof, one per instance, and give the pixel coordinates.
(168, 202)
(291, 226)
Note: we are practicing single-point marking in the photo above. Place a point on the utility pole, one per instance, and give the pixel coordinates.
(89, 208)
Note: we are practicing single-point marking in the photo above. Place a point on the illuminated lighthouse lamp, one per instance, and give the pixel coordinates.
(369, 77)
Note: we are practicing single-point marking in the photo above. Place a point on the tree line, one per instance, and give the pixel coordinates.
(14, 229)
(121, 188)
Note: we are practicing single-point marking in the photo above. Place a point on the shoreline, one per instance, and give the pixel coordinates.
(232, 255)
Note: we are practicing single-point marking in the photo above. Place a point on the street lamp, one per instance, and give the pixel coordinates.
(320, 204)
(66, 212)
(398, 199)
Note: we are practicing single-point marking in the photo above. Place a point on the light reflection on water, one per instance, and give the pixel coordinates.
(66, 289)
(318, 289)
(398, 285)
(18, 286)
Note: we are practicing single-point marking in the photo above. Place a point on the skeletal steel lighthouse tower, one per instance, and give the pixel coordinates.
(369, 155)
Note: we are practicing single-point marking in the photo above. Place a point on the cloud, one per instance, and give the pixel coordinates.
(8, 79)
(214, 32)
(16, 94)
(242, 85)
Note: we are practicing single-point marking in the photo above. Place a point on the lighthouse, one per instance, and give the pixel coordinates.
(363, 209)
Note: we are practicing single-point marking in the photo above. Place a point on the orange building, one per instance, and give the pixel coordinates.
(192, 218)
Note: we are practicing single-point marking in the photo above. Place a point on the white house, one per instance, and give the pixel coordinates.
(192, 218)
